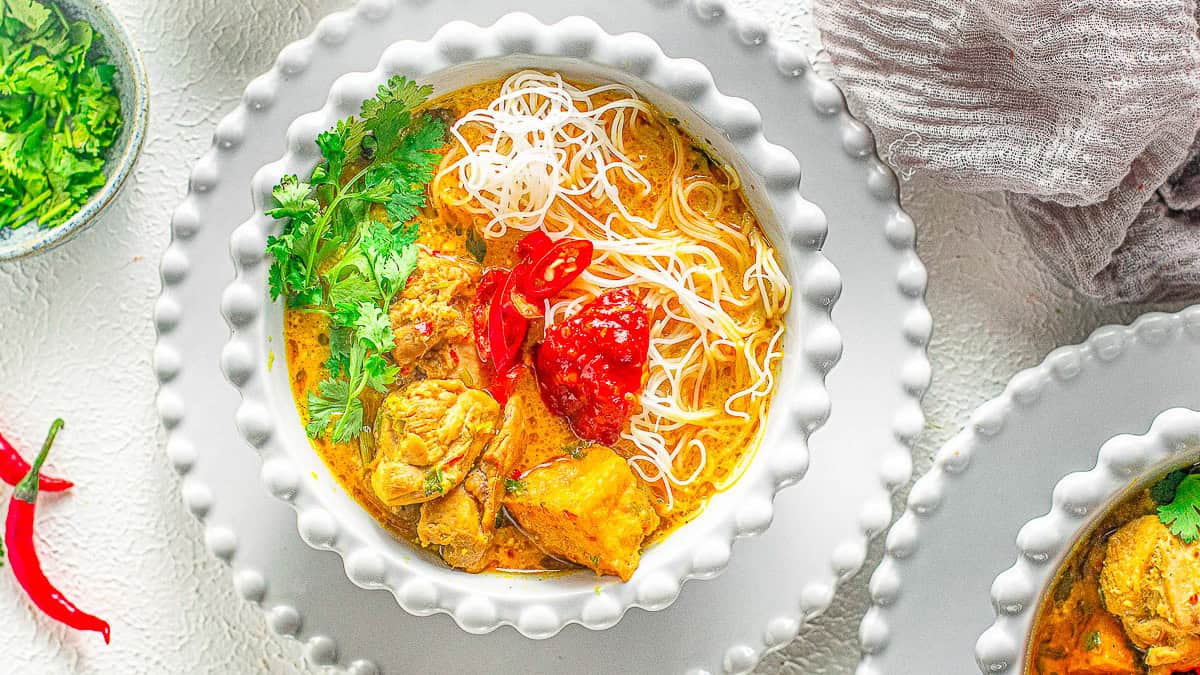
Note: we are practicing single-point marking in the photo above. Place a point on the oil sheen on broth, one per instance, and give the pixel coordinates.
(652, 144)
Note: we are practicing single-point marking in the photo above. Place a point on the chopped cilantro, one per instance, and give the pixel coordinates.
(595, 560)
(1182, 514)
(59, 114)
(332, 255)
(433, 482)
(1091, 641)
(499, 519)
(512, 485)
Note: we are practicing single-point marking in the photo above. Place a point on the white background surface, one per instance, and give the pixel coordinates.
(78, 335)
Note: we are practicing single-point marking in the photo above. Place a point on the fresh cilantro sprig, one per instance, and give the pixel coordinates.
(1181, 515)
(59, 114)
(334, 256)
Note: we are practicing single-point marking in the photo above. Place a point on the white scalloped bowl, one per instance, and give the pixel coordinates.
(1126, 463)
(461, 54)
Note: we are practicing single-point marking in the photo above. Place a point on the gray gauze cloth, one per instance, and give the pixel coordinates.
(1085, 113)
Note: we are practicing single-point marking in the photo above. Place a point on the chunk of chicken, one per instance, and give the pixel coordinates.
(486, 480)
(463, 521)
(1075, 639)
(428, 437)
(1151, 582)
(433, 309)
(454, 523)
(592, 511)
(450, 361)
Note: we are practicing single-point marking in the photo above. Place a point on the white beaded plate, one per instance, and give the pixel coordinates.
(462, 54)
(938, 583)
(1126, 463)
(775, 582)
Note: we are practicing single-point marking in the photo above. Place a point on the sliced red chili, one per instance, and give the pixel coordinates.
(534, 245)
(488, 284)
(554, 271)
(506, 327)
(453, 460)
(502, 384)
(22, 554)
(13, 468)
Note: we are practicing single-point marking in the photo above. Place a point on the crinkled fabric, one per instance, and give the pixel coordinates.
(1085, 113)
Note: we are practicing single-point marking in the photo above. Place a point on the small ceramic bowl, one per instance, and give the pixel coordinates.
(458, 55)
(1125, 464)
(133, 88)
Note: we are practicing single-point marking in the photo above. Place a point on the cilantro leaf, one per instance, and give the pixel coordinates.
(293, 199)
(514, 485)
(350, 424)
(352, 290)
(378, 373)
(1182, 514)
(29, 12)
(393, 256)
(324, 405)
(1164, 490)
(374, 328)
(340, 342)
(331, 254)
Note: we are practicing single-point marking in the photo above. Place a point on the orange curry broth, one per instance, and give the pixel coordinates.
(1073, 609)
(306, 337)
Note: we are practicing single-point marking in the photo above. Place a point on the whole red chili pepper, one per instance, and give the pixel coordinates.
(22, 556)
(13, 468)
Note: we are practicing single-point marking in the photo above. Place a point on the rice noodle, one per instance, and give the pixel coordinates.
(545, 154)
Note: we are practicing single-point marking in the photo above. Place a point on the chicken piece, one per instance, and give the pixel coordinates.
(428, 436)
(486, 480)
(1151, 582)
(592, 511)
(463, 521)
(451, 361)
(433, 309)
(1102, 648)
(453, 522)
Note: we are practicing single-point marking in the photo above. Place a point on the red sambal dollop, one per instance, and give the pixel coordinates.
(589, 367)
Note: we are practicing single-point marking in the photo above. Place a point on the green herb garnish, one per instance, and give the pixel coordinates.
(476, 246)
(1092, 641)
(433, 482)
(1182, 514)
(512, 485)
(334, 257)
(59, 114)
(1164, 490)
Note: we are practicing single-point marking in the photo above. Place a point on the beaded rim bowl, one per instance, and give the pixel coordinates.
(327, 518)
(1126, 463)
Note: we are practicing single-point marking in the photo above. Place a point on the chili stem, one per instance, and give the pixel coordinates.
(27, 489)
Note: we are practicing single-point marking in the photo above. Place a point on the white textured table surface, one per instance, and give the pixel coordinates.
(77, 341)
